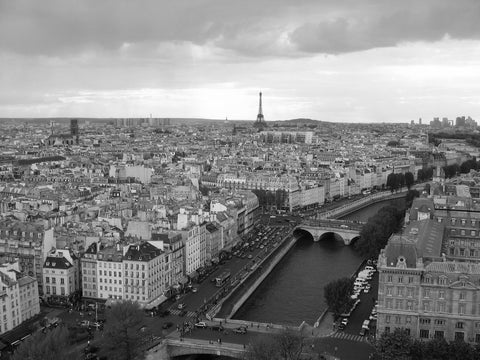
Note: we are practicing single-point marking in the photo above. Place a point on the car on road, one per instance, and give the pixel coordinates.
(181, 306)
(343, 324)
(240, 330)
(194, 290)
(167, 325)
(201, 324)
(250, 256)
(363, 332)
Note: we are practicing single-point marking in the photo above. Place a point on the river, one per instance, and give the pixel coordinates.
(293, 292)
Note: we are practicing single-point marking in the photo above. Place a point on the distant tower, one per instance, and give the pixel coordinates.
(260, 122)
(74, 129)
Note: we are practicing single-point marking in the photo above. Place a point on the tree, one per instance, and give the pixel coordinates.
(409, 179)
(376, 232)
(122, 335)
(395, 345)
(52, 345)
(392, 182)
(337, 295)
(287, 345)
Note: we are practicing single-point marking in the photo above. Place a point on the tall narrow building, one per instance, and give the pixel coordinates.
(260, 122)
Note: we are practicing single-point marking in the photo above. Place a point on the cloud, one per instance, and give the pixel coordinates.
(389, 24)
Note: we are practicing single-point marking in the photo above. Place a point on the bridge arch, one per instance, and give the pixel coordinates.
(341, 230)
(299, 232)
(331, 235)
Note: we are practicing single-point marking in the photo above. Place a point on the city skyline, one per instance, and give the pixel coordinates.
(348, 61)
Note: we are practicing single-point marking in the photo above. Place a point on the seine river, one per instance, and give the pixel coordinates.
(293, 292)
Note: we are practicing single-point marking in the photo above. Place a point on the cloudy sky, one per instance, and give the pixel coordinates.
(333, 60)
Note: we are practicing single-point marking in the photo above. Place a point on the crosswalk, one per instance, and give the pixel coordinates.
(346, 336)
(188, 314)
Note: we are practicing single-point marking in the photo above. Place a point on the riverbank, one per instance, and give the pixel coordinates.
(230, 304)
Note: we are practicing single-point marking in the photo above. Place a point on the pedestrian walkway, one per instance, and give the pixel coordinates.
(188, 314)
(346, 336)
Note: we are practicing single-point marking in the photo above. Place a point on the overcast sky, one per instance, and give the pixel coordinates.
(332, 60)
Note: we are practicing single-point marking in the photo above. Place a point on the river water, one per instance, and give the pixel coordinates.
(293, 292)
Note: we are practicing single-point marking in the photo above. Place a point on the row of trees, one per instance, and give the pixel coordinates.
(121, 337)
(376, 232)
(398, 181)
(400, 345)
(425, 174)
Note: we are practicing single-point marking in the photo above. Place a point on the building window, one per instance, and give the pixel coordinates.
(439, 334)
(408, 320)
(424, 334)
(410, 292)
(400, 291)
(389, 278)
(441, 294)
(398, 320)
(426, 293)
(459, 335)
(389, 291)
(451, 251)
(459, 325)
(462, 308)
(426, 306)
(409, 305)
(410, 279)
(400, 279)
(441, 307)
(439, 322)
(477, 338)
(387, 319)
(462, 295)
(427, 279)
(424, 321)
(442, 281)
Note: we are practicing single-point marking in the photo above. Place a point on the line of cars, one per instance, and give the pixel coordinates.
(360, 284)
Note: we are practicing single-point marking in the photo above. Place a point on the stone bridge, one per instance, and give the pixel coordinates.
(170, 348)
(347, 230)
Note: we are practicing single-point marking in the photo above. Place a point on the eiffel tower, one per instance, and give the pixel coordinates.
(260, 122)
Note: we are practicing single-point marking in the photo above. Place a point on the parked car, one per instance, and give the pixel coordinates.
(201, 324)
(363, 332)
(194, 290)
(240, 330)
(181, 306)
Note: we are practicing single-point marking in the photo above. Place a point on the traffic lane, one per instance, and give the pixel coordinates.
(206, 289)
(364, 309)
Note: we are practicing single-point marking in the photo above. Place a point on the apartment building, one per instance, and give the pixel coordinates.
(110, 272)
(27, 243)
(61, 274)
(19, 300)
(143, 266)
(88, 265)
